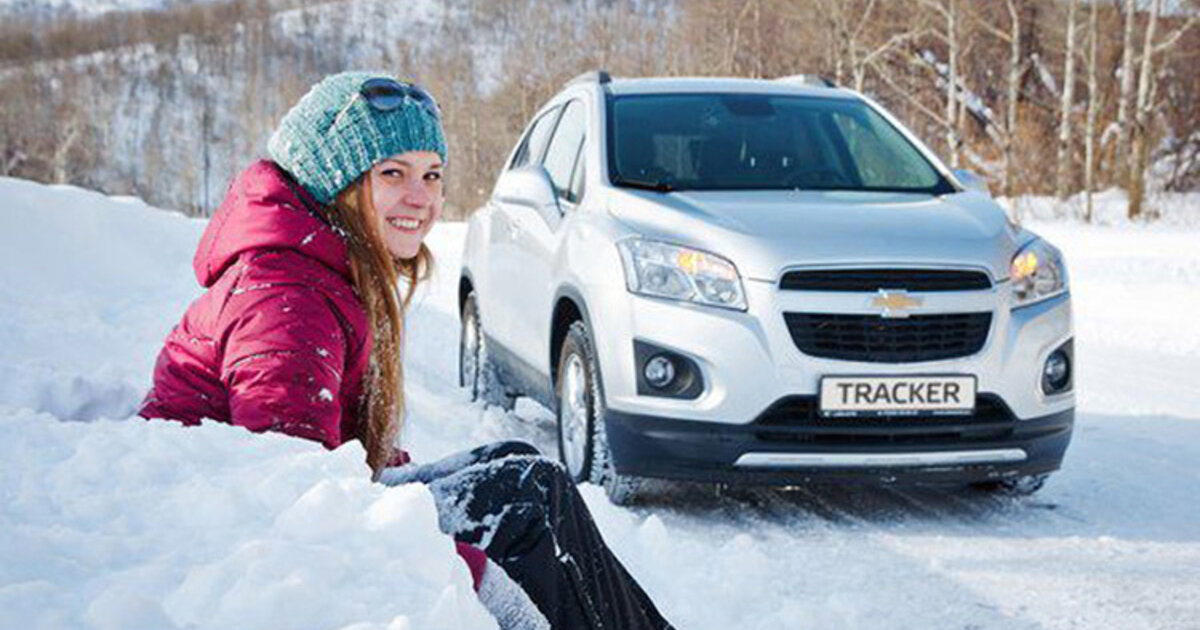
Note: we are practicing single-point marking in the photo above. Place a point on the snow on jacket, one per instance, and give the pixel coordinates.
(280, 340)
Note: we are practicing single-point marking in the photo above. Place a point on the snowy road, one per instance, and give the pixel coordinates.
(90, 510)
(1113, 541)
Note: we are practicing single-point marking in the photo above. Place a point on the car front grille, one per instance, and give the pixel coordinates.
(876, 339)
(871, 280)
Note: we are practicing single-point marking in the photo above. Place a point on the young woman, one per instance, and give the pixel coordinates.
(300, 332)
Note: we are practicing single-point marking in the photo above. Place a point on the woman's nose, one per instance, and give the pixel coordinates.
(415, 194)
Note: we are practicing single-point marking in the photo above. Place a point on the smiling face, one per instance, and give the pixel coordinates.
(407, 195)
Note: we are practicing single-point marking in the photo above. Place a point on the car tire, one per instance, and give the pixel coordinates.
(477, 371)
(1017, 486)
(582, 439)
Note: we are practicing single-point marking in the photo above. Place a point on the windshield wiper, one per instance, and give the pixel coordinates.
(657, 186)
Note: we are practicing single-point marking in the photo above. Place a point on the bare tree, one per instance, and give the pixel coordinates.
(1016, 69)
(947, 11)
(1063, 172)
(858, 40)
(735, 36)
(69, 131)
(1137, 157)
(12, 159)
(1121, 158)
(1147, 88)
(950, 12)
(1089, 135)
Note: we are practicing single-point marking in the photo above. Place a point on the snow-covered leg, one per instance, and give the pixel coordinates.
(528, 517)
(507, 602)
(428, 472)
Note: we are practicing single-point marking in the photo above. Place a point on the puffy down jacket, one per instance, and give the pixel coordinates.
(280, 340)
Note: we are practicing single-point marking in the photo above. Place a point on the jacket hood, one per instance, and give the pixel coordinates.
(265, 210)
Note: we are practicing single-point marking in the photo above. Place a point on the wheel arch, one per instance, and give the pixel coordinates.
(569, 307)
(465, 286)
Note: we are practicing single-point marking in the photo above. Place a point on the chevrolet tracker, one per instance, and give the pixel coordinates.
(767, 282)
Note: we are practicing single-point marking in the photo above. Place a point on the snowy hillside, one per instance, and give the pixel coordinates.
(81, 7)
(112, 522)
(179, 114)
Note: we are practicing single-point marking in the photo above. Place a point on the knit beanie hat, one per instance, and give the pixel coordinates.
(333, 134)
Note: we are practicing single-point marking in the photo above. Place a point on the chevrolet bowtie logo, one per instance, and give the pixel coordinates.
(895, 303)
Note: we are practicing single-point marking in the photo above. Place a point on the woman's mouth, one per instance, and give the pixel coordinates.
(405, 224)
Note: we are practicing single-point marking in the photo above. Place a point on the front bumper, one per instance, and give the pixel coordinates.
(749, 360)
(735, 430)
(789, 444)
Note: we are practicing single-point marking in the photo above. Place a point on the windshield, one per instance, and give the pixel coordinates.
(761, 142)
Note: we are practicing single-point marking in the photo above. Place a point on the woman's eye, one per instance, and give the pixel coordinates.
(433, 176)
(393, 172)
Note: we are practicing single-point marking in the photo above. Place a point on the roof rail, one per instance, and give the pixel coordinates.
(814, 80)
(595, 76)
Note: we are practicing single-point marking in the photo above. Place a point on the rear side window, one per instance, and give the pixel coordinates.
(564, 149)
(534, 141)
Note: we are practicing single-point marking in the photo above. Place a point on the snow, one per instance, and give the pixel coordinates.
(90, 8)
(1169, 210)
(113, 522)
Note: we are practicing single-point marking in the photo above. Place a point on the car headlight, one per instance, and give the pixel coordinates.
(1037, 272)
(681, 273)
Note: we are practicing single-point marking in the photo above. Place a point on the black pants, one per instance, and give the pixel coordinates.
(526, 514)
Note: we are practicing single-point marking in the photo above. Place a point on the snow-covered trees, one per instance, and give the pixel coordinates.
(167, 104)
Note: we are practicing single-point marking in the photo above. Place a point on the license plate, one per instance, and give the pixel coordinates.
(849, 396)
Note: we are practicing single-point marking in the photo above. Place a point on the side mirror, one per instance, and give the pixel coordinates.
(971, 181)
(527, 186)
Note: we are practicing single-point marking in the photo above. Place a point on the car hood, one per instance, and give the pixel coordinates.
(765, 232)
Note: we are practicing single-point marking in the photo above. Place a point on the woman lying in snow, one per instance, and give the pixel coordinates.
(299, 332)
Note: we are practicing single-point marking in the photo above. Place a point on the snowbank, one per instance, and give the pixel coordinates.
(126, 524)
(1110, 208)
(91, 286)
(133, 524)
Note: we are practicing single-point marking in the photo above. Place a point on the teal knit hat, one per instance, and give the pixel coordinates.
(333, 134)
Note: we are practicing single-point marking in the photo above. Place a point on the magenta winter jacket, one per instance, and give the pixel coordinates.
(280, 340)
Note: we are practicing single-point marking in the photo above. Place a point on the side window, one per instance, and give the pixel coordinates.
(535, 139)
(564, 148)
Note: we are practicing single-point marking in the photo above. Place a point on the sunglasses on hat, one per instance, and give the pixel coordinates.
(386, 95)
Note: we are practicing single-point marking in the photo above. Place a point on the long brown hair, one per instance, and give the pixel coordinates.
(376, 275)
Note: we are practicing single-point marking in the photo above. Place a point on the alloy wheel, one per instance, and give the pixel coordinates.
(573, 415)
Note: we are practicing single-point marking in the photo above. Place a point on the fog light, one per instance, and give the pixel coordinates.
(660, 371)
(1056, 374)
(664, 373)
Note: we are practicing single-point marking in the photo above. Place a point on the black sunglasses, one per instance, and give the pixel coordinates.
(387, 94)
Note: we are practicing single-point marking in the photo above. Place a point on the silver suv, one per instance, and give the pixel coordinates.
(771, 282)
